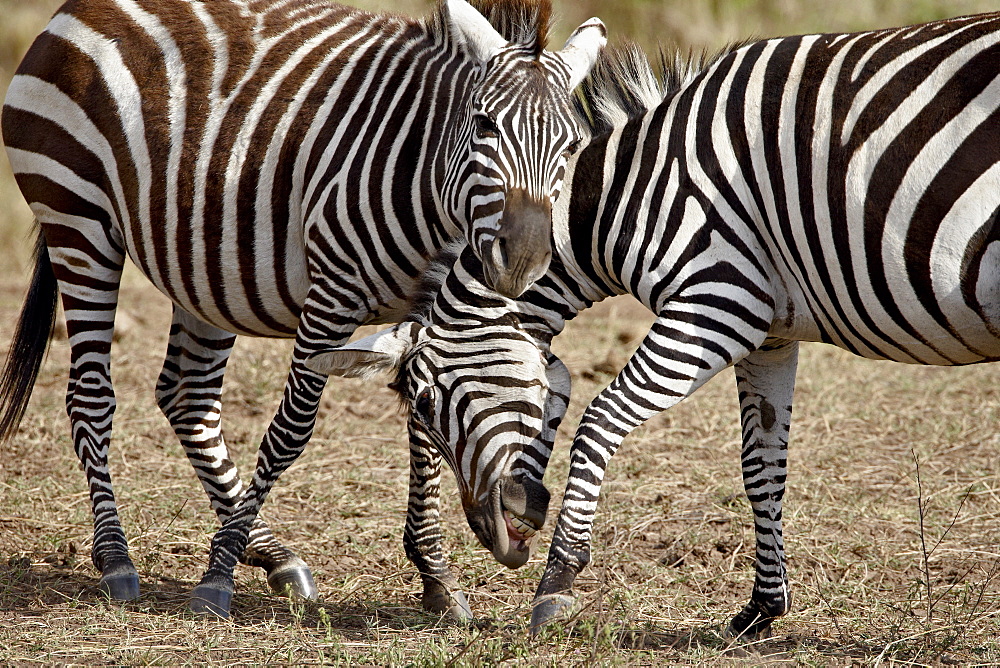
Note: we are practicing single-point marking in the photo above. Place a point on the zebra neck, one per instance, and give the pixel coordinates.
(598, 222)
(640, 201)
(427, 128)
(464, 303)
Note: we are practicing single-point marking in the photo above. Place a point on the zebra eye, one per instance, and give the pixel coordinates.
(423, 407)
(486, 127)
(574, 147)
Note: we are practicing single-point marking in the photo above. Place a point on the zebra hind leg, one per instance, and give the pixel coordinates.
(87, 264)
(189, 392)
(766, 380)
(422, 539)
(285, 439)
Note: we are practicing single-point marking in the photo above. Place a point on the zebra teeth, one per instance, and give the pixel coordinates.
(524, 527)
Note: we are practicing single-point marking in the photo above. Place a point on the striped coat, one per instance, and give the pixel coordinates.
(837, 188)
(277, 168)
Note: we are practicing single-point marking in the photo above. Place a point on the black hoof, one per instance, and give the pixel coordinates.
(296, 580)
(120, 585)
(751, 624)
(209, 601)
(550, 609)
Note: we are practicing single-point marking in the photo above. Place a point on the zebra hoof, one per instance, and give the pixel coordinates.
(296, 580)
(121, 584)
(459, 611)
(209, 601)
(549, 610)
(452, 605)
(750, 625)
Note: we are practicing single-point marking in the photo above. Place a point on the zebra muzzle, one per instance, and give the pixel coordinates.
(519, 506)
(507, 522)
(520, 252)
(519, 532)
(520, 526)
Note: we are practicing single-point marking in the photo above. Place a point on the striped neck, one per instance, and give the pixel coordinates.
(577, 278)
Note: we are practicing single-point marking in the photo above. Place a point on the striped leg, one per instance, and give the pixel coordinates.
(422, 536)
(189, 392)
(284, 441)
(766, 380)
(680, 353)
(88, 264)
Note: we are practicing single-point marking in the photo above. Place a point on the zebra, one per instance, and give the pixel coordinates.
(835, 188)
(277, 168)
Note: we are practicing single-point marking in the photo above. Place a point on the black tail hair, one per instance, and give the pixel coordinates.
(31, 341)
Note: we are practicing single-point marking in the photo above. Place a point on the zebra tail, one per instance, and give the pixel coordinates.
(30, 343)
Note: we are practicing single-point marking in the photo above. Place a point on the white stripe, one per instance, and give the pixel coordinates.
(127, 98)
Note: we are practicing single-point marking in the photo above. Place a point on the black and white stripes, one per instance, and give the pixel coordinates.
(834, 188)
(277, 168)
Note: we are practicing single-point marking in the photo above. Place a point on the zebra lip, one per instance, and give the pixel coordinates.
(518, 540)
(505, 533)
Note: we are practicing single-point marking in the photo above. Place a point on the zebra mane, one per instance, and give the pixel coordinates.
(520, 21)
(624, 84)
(525, 22)
(427, 289)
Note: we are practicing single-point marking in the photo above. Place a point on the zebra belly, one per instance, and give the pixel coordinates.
(933, 297)
(241, 318)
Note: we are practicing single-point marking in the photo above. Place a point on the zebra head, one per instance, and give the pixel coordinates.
(496, 432)
(507, 150)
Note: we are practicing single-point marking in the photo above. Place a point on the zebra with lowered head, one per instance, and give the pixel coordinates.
(838, 188)
(282, 168)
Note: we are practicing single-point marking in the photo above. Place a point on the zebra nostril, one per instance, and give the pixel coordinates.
(502, 254)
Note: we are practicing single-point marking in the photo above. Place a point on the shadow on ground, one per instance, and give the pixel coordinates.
(33, 590)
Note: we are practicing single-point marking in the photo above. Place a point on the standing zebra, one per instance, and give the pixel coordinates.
(835, 188)
(280, 168)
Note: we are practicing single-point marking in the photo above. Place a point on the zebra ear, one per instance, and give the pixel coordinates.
(365, 358)
(472, 29)
(582, 49)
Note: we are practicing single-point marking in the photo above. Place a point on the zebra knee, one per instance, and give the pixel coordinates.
(90, 396)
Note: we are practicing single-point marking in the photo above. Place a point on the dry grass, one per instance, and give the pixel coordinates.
(673, 553)
(673, 546)
(712, 23)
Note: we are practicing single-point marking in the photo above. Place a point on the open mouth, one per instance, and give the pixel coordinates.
(508, 522)
(508, 535)
(520, 531)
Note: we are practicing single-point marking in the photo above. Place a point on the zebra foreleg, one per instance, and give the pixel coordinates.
(189, 392)
(284, 441)
(88, 285)
(569, 552)
(766, 381)
(661, 373)
(422, 536)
